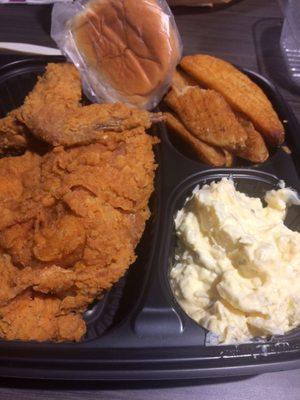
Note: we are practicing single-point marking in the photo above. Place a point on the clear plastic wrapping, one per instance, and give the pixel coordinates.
(126, 50)
(290, 39)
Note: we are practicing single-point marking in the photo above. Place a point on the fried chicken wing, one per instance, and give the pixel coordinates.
(55, 95)
(242, 94)
(87, 124)
(53, 113)
(207, 116)
(69, 229)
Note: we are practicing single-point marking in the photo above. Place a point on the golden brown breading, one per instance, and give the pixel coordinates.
(256, 149)
(56, 94)
(87, 124)
(52, 111)
(206, 153)
(242, 94)
(69, 224)
(17, 176)
(207, 116)
(12, 133)
(68, 230)
(32, 316)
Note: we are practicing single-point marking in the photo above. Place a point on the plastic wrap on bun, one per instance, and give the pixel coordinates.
(126, 50)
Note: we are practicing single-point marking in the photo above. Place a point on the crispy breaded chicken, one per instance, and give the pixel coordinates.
(242, 94)
(12, 133)
(53, 113)
(70, 222)
(34, 316)
(207, 116)
(57, 93)
(87, 124)
(71, 218)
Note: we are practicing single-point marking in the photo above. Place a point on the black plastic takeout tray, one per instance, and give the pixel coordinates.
(137, 331)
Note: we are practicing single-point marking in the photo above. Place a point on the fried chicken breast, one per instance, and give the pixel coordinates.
(70, 222)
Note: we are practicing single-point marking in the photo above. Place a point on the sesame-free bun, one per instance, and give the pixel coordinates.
(131, 48)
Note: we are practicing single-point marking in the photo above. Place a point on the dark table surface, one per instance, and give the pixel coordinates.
(246, 33)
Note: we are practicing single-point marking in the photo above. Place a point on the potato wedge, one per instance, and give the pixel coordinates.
(207, 116)
(205, 153)
(242, 94)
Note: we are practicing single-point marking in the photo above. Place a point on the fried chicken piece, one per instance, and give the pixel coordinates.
(8, 273)
(12, 133)
(243, 95)
(87, 124)
(208, 154)
(69, 230)
(52, 111)
(38, 317)
(55, 95)
(17, 176)
(256, 149)
(207, 116)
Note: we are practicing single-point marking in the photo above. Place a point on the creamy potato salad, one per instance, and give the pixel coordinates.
(237, 266)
